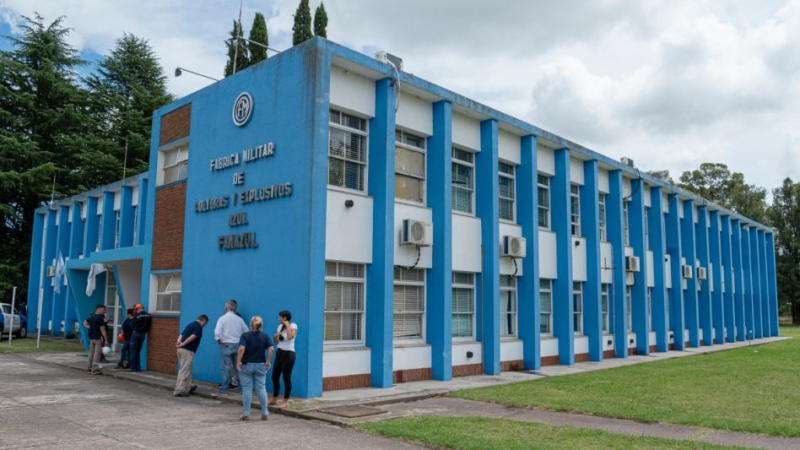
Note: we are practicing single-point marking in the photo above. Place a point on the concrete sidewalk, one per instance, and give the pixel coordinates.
(346, 407)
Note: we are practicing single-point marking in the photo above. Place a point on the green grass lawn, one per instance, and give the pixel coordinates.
(480, 433)
(754, 389)
(29, 345)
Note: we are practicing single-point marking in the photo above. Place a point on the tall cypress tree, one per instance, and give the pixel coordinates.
(258, 34)
(302, 23)
(237, 49)
(321, 21)
(42, 110)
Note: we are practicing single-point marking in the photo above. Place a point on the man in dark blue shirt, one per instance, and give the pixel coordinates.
(187, 345)
(127, 332)
(97, 337)
(141, 325)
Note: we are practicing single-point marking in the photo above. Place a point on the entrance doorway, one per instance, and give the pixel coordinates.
(115, 310)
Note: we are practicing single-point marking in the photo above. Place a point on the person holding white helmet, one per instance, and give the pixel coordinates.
(97, 337)
(141, 325)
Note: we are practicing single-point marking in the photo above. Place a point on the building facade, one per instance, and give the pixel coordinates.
(413, 233)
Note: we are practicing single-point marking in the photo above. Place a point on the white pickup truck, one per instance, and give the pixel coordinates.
(11, 321)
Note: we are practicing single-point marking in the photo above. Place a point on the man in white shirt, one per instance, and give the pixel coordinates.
(228, 331)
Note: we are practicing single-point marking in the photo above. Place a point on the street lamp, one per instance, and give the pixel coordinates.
(180, 70)
(234, 41)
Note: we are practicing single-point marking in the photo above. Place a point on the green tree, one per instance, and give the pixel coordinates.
(42, 111)
(129, 85)
(301, 31)
(238, 50)
(784, 217)
(714, 182)
(321, 21)
(258, 34)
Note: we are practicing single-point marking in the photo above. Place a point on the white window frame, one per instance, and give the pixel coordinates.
(343, 274)
(646, 228)
(601, 217)
(605, 303)
(575, 210)
(507, 171)
(403, 142)
(338, 120)
(180, 166)
(117, 225)
(626, 229)
(577, 307)
(135, 225)
(546, 287)
(458, 159)
(509, 314)
(650, 308)
(629, 307)
(467, 286)
(163, 292)
(406, 283)
(543, 192)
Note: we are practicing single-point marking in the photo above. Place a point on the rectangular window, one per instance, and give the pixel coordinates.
(605, 295)
(175, 163)
(168, 299)
(463, 305)
(116, 228)
(646, 228)
(601, 206)
(543, 201)
(409, 162)
(409, 302)
(546, 306)
(625, 227)
(629, 307)
(344, 302)
(577, 306)
(136, 225)
(463, 180)
(575, 209)
(650, 308)
(347, 151)
(508, 306)
(507, 191)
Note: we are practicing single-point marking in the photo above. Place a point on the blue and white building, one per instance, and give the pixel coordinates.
(413, 233)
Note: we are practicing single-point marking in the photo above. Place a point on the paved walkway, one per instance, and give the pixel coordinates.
(346, 407)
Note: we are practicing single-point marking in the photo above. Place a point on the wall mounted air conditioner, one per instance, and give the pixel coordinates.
(51, 271)
(701, 273)
(416, 232)
(632, 264)
(513, 246)
(686, 271)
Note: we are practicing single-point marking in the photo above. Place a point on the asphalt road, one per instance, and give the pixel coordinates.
(48, 406)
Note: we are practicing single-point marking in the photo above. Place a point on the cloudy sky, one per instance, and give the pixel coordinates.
(670, 84)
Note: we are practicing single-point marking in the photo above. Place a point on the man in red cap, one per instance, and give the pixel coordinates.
(141, 325)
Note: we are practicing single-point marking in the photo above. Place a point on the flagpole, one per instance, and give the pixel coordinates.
(11, 327)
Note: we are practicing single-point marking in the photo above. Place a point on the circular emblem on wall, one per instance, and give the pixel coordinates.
(242, 109)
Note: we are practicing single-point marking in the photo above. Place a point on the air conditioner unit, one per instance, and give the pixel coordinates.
(627, 161)
(687, 271)
(416, 232)
(632, 264)
(701, 273)
(51, 271)
(513, 246)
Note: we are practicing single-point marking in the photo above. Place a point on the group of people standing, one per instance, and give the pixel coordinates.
(245, 355)
(134, 330)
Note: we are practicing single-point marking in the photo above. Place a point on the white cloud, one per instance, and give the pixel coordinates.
(670, 84)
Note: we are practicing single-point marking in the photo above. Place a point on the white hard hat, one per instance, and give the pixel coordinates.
(106, 351)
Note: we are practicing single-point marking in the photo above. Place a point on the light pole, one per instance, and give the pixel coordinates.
(180, 70)
(234, 41)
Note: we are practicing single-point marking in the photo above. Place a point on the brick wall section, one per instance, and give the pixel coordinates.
(346, 382)
(161, 353)
(175, 125)
(582, 357)
(468, 369)
(512, 366)
(608, 354)
(168, 227)
(404, 376)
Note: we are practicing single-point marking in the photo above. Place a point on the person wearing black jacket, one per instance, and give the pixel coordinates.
(97, 337)
(141, 325)
(127, 331)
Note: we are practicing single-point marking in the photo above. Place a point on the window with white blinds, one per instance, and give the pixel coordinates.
(347, 151)
(463, 180)
(601, 210)
(507, 190)
(463, 305)
(629, 307)
(575, 210)
(605, 290)
(409, 303)
(508, 306)
(344, 302)
(543, 201)
(546, 306)
(577, 307)
(168, 297)
(409, 162)
(175, 163)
